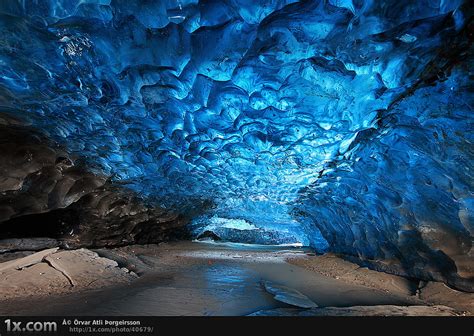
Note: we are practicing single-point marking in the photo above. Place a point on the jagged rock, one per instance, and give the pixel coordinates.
(83, 267)
(53, 271)
(26, 244)
(439, 293)
(288, 295)
(126, 260)
(27, 261)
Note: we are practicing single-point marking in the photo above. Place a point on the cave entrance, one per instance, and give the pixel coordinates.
(52, 224)
(268, 232)
(257, 221)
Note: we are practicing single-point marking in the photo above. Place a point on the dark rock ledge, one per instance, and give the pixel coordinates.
(43, 193)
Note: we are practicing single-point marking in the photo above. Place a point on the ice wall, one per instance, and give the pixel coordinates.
(403, 193)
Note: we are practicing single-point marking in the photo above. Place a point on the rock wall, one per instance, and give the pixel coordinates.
(44, 193)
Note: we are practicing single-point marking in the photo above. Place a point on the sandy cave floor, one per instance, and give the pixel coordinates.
(199, 279)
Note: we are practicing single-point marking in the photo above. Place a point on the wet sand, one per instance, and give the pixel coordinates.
(203, 280)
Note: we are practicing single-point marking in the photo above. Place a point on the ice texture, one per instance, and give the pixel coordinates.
(353, 117)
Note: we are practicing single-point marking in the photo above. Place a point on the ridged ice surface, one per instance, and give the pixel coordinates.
(246, 103)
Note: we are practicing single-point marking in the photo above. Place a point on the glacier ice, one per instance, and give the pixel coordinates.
(350, 121)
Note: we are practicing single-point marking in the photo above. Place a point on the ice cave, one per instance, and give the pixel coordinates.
(342, 128)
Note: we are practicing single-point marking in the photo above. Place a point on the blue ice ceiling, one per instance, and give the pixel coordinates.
(267, 108)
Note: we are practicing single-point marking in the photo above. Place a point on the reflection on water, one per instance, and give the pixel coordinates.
(216, 289)
(238, 289)
(225, 275)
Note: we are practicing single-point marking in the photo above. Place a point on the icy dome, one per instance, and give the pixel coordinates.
(352, 117)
